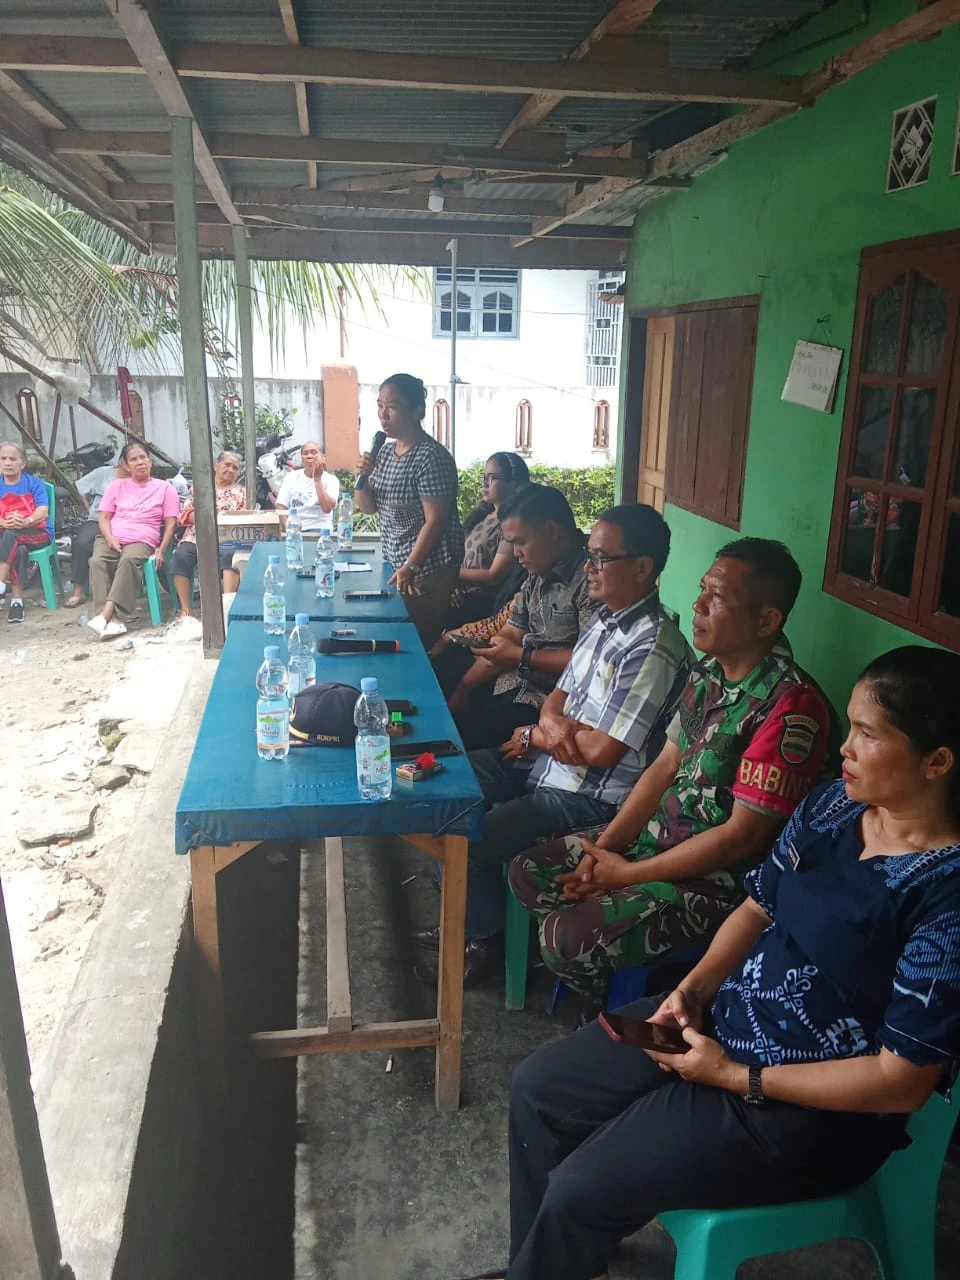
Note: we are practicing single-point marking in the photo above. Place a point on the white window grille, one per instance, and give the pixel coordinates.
(603, 331)
(488, 302)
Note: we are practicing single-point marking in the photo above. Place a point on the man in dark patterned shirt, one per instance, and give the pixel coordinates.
(752, 736)
(509, 681)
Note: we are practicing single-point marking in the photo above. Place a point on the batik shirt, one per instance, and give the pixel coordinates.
(624, 678)
(861, 954)
(399, 486)
(764, 741)
(552, 608)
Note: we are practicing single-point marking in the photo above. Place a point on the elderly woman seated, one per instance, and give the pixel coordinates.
(138, 515)
(825, 1011)
(230, 497)
(25, 523)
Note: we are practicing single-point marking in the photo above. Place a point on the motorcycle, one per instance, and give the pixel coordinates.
(274, 460)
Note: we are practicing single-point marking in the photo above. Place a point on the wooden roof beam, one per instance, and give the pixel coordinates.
(145, 43)
(286, 64)
(412, 250)
(623, 19)
(279, 198)
(269, 218)
(292, 32)
(350, 151)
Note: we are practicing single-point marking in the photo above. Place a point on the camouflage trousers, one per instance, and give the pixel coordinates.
(585, 942)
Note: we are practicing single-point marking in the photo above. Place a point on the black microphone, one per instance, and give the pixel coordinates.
(379, 440)
(336, 645)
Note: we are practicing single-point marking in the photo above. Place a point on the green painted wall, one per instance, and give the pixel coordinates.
(786, 216)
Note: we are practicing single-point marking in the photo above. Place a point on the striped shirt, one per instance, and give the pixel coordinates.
(625, 678)
(399, 485)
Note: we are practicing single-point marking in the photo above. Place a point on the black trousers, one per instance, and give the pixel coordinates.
(602, 1140)
(81, 548)
(492, 719)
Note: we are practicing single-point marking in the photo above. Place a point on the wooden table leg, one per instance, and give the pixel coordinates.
(207, 987)
(453, 906)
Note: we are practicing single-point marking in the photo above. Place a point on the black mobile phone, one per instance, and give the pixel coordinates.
(641, 1034)
(367, 595)
(403, 705)
(469, 642)
(410, 750)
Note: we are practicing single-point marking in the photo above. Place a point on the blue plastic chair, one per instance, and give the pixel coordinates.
(894, 1212)
(48, 560)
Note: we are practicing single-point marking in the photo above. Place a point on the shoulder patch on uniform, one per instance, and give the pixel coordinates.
(798, 738)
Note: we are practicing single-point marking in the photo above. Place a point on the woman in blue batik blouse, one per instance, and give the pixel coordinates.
(825, 1011)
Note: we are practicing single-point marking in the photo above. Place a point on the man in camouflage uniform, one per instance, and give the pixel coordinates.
(752, 735)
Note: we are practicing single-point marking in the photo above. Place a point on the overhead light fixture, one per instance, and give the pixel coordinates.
(435, 196)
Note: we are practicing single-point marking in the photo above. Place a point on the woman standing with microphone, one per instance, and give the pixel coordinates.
(411, 483)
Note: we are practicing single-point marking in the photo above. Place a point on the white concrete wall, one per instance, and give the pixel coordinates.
(486, 415)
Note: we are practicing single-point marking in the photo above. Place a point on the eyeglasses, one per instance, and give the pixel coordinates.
(491, 479)
(598, 560)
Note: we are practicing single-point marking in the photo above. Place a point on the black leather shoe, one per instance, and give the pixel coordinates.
(429, 938)
(482, 961)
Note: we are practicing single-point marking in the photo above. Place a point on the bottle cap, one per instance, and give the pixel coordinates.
(369, 684)
(271, 651)
(302, 619)
(273, 559)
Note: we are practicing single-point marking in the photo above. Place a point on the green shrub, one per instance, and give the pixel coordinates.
(589, 490)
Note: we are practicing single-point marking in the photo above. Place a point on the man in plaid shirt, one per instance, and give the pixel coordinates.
(597, 731)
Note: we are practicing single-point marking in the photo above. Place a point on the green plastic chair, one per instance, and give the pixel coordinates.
(894, 1212)
(516, 938)
(48, 560)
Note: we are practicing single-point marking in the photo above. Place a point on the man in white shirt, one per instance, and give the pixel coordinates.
(313, 491)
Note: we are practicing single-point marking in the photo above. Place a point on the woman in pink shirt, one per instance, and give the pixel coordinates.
(137, 518)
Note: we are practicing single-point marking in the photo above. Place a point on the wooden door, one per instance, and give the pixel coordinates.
(657, 382)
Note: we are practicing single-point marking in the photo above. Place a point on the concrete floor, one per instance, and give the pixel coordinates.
(385, 1187)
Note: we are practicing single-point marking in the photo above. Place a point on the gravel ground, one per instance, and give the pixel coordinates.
(79, 715)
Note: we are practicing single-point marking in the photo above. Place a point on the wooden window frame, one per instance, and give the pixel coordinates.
(880, 266)
(441, 422)
(681, 460)
(601, 425)
(523, 431)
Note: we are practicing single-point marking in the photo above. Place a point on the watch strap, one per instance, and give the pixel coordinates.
(755, 1094)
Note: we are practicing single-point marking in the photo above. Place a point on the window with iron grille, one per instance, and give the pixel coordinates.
(603, 331)
(488, 302)
(895, 533)
(601, 424)
(441, 422)
(523, 436)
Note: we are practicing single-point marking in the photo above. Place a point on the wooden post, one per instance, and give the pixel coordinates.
(245, 325)
(190, 310)
(29, 1242)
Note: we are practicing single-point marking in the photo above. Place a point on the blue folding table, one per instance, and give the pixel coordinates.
(232, 800)
(301, 593)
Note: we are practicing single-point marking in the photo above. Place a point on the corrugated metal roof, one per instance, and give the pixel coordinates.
(488, 29)
(102, 101)
(474, 119)
(65, 18)
(238, 21)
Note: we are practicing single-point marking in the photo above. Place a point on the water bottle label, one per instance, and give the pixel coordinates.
(271, 729)
(274, 611)
(374, 763)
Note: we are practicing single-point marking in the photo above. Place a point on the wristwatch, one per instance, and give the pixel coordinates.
(524, 669)
(754, 1095)
(408, 564)
(526, 733)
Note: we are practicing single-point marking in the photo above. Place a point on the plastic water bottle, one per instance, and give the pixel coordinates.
(273, 706)
(274, 601)
(324, 568)
(302, 648)
(370, 715)
(345, 522)
(294, 540)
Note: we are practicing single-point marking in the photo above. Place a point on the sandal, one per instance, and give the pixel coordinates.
(74, 602)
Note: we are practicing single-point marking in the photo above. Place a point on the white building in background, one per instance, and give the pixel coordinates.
(537, 360)
(537, 363)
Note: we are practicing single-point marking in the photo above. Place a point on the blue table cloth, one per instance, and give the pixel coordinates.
(230, 794)
(301, 593)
